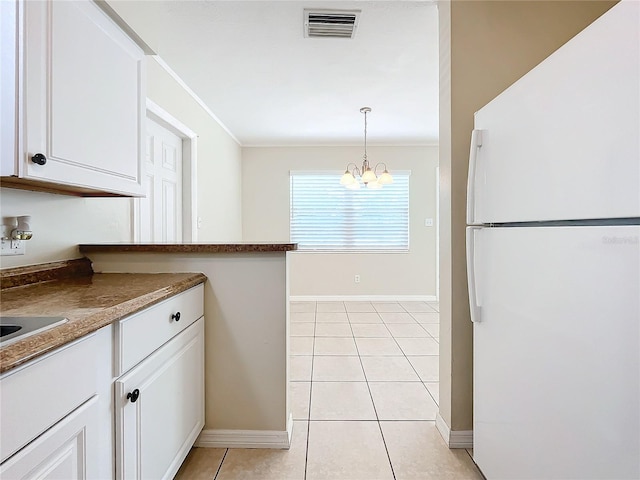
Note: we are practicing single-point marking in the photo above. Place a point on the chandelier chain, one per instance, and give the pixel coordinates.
(365, 135)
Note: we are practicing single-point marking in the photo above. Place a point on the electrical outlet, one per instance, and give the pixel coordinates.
(12, 247)
(356, 279)
(428, 222)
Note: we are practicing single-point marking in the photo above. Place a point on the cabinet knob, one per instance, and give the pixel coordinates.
(133, 396)
(176, 317)
(39, 159)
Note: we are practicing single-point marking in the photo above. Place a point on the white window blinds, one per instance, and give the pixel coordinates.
(325, 215)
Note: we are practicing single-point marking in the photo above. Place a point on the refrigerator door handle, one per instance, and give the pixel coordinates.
(476, 143)
(474, 307)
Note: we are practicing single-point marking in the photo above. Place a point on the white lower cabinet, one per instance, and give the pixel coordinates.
(54, 413)
(160, 408)
(145, 372)
(66, 451)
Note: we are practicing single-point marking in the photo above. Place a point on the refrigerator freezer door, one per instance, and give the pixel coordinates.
(557, 354)
(563, 142)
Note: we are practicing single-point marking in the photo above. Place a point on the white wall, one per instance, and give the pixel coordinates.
(265, 213)
(61, 222)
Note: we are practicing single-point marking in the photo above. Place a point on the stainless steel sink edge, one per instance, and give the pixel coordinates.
(29, 326)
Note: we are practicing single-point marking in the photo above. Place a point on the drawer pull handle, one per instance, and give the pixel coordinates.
(133, 396)
(39, 159)
(176, 317)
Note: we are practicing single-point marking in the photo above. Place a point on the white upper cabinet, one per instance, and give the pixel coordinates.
(80, 103)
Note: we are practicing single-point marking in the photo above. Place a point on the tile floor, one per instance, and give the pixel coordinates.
(364, 394)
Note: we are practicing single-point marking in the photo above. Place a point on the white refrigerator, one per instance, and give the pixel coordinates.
(553, 260)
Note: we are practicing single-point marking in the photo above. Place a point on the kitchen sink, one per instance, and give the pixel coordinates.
(13, 329)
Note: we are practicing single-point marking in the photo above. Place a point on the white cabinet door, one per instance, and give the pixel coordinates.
(83, 99)
(160, 408)
(67, 451)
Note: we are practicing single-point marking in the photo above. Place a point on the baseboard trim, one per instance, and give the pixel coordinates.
(455, 438)
(217, 438)
(363, 298)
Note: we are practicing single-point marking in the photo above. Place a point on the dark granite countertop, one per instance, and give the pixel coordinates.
(241, 247)
(89, 300)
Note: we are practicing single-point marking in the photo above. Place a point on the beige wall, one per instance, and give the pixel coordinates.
(265, 212)
(219, 167)
(492, 44)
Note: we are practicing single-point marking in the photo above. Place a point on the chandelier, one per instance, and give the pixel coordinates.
(354, 176)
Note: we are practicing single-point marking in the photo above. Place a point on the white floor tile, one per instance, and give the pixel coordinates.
(434, 305)
(370, 330)
(333, 330)
(306, 317)
(337, 368)
(408, 330)
(426, 317)
(330, 307)
(397, 317)
(426, 366)
(300, 396)
(334, 346)
(341, 401)
(388, 368)
(301, 345)
(300, 368)
(347, 451)
(359, 307)
(432, 328)
(388, 307)
(377, 346)
(402, 401)
(302, 329)
(418, 452)
(418, 346)
(201, 464)
(417, 307)
(434, 390)
(267, 463)
(302, 307)
(364, 317)
(332, 317)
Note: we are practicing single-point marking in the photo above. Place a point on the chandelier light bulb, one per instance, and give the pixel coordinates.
(347, 178)
(385, 178)
(369, 176)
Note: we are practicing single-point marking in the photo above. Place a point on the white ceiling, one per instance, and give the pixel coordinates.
(269, 85)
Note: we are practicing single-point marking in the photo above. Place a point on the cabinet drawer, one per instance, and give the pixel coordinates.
(137, 336)
(156, 428)
(36, 396)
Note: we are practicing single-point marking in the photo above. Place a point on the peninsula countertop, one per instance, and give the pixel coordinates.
(90, 302)
(239, 247)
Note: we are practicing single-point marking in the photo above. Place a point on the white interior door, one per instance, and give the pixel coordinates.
(160, 213)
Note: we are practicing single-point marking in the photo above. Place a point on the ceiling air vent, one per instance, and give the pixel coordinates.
(330, 23)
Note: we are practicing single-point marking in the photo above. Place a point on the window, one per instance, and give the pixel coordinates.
(325, 215)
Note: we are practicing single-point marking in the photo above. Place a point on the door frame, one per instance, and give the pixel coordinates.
(189, 169)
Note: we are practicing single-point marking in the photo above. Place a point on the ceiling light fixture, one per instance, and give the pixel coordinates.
(367, 176)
